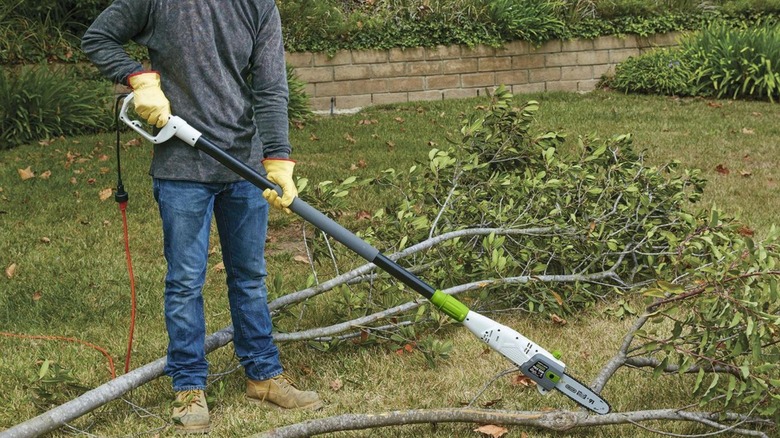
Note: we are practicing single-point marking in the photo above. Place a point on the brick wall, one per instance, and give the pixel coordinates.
(352, 79)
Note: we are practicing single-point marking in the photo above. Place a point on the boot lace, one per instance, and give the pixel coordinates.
(286, 382)
(185, 399)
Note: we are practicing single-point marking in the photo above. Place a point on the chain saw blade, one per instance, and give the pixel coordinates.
(580, 393)
(549, 373)
(535, 362)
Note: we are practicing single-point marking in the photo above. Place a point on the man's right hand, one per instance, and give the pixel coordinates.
(150, 102)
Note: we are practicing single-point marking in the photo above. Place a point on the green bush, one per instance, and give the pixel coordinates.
(750, 7)
(32, 31)
(721, 60)
(72, 16)
(662, 71)
(528, 20)
(737, 62)
(40, 102)
(298, 109)
(26, 41)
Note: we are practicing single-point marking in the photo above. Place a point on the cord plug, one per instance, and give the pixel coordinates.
(121, 195)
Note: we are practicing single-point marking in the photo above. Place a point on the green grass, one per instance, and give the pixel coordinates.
(67, 247)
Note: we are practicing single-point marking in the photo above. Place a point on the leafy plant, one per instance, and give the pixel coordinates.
(724, 321)
(661, 71)
(298, 108)
(721, 60)
(54, 385)
(435, 350)
(737, 62)
(40, 102)
(535, 21)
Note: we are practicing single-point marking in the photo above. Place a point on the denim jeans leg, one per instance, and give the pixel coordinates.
(185, 209)
(241, 214)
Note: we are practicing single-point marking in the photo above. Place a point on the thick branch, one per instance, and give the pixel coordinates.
(620, 357)
(553, 420)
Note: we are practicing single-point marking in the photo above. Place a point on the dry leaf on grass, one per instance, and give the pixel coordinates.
(521, 380)
(721, 169)
(557, 319)
(106, 193)
(219, 267)
(301, 259)
(10, 271)
(336, 385)
(26, 173)
(492, 430)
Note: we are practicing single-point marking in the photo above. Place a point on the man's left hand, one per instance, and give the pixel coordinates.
(280, 171)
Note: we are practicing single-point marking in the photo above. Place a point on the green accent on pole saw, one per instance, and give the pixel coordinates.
(557, 354)
(450, 305)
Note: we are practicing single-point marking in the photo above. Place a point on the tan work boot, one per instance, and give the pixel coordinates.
(190, 412)
(280, 392)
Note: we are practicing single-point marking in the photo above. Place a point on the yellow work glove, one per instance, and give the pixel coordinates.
(280, 171)
(150, 102)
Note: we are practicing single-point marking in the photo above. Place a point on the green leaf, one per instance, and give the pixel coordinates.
(44, 369)
(699, 378)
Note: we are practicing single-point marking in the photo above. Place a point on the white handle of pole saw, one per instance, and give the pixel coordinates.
(176, 127)
(534, 361)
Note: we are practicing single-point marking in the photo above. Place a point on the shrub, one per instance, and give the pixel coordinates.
(750, 7)
(661, 71)
(737, 62)
(40, 102)
(298, 109)
(72, 16)
(23, 40)
(528, 20)
(721, 60)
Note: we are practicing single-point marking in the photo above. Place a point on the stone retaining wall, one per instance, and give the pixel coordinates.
(353, 79)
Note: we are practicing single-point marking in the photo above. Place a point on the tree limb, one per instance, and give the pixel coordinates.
(554, 420)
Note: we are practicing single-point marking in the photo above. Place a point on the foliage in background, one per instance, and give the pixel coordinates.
(737, 62)
(41, 102)
(661, 71)
(33, 31)
(298, 109)
(721, 60)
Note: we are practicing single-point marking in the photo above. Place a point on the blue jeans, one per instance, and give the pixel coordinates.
(241, 214)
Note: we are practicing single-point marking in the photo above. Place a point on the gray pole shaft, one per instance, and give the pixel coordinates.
(103, 394)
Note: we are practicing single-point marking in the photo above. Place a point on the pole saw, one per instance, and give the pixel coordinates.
(533, 361)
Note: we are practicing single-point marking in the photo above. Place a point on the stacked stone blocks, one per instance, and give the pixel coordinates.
(352, 79)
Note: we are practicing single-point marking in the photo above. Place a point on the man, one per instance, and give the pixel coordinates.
(220, 66)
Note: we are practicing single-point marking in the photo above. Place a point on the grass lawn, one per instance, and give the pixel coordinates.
(62, 249)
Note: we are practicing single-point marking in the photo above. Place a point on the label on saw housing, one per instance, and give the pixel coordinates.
(545, 374)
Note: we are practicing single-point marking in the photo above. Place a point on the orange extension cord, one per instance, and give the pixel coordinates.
(67, 339)
(122, 208)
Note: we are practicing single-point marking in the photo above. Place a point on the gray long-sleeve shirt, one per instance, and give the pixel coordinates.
(222, 68)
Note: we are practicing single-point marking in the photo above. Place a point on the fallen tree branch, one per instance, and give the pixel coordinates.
(303, 294)
(619, 359)
(364, 321)
(559, 421)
